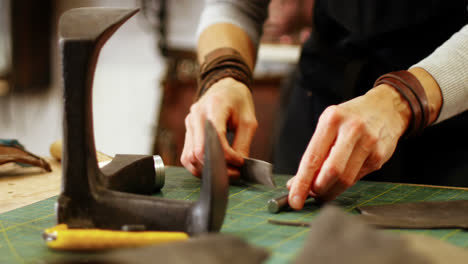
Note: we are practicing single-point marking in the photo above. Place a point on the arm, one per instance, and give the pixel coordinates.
(227, 103)
(357, 137)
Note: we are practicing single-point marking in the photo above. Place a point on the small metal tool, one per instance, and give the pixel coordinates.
(278, 204)
(254, 170)
(275, 205)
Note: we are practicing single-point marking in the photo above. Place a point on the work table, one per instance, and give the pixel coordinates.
(246, 215)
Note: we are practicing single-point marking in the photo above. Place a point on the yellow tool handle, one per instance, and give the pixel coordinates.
(62, 238)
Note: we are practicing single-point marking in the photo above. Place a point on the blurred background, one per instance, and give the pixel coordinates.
(146, 75)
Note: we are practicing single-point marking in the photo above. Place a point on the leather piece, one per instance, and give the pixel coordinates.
(221, 63)
(437, 251)
(412, 91)
(337, 237)
(413, 83)
(207, 249)
(431, 214)
(416, 114)
(17, 153)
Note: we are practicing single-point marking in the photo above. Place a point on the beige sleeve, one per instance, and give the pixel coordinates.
(248, 15)
(448, 65)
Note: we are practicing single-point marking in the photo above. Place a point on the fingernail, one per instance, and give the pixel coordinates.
(296, 202)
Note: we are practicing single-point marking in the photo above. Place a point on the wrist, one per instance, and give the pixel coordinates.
(399, 107)
(432, 89)
(221, 63)
(410, 89)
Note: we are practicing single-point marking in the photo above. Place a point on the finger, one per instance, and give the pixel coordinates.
(197, 128)
(233, 172)
(187, 158)
(194, 170)
(219, 120)
(312, 194)
(289, 183)
(373, 162)
(351, 174)
(335, 165)
(243, 137)
(232, 157)
(337, 188)
(313, 158)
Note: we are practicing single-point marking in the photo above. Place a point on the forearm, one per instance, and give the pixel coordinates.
(444, 77)
(226, 35)
(230, 23)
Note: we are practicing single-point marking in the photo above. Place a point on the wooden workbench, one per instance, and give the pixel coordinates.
(20, 186)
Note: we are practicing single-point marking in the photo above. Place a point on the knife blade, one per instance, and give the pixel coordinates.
(257, 171)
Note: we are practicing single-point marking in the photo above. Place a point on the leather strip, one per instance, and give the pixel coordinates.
(429, 214)
(416, 117)
(20, 155)
(412, 91)
(415, 86)
(221, 63)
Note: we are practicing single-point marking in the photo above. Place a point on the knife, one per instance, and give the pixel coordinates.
(254, 170)
(257, 171)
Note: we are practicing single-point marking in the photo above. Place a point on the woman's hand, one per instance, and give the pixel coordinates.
(351, 140)
(227, 104)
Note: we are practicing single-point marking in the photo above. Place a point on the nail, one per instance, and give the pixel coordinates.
(296, 202)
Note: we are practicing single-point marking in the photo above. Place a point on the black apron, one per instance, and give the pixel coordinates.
(352, 44)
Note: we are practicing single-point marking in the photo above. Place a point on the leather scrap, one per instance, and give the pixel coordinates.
(337, 237)
(207, 249)
(429, 214)
(13, 151)
(436, 250)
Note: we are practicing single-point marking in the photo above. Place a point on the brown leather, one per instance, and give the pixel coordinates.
(221, 63)
(206, 249)
(412, 91)
(412, 82)
(336, 237)
(433, 214)
(416, 116)
(19, 155)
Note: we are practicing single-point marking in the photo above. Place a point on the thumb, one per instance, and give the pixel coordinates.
(243, 138)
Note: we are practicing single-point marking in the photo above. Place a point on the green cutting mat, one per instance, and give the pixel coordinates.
(21, 242)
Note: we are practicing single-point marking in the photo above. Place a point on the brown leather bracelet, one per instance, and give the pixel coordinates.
(412, 91)
(221, 63)
(413, 83)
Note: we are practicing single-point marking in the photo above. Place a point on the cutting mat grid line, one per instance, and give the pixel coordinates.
(247, 216)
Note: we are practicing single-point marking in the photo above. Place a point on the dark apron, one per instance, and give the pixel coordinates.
(353, 43)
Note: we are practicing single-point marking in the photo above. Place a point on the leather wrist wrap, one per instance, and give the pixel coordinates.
(221, 63)
(412, 91)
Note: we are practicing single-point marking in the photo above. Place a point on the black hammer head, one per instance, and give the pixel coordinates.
(85, 200)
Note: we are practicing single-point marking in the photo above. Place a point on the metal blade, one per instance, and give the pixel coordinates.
(258, 171)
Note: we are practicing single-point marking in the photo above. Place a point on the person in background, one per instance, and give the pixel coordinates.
(381, 91)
